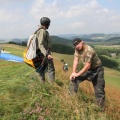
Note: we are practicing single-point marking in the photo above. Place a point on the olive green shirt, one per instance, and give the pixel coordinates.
(88, 55)
(43, 41)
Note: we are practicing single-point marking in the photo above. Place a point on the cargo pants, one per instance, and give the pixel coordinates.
(96, 76)
(50, 69)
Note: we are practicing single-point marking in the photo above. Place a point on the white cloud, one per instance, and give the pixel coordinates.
(73, 11)
(18, 18)
(77, 24)
(40, 8)
(9, 16)
(8, 1)
(80, 9)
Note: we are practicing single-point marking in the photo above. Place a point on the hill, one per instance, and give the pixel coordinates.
(62, 41)
(114, 40)
(102, 38)
(18, 40)
(22, 97)
(93, 36)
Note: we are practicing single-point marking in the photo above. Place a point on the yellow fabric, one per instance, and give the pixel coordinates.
(30, 62)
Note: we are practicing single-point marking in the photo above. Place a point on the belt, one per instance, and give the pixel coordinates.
(96, 68)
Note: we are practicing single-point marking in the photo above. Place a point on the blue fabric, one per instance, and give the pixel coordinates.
(10, 57)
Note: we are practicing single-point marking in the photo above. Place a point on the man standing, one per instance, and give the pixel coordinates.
(92, 70)
(44, 47)
(65, 67)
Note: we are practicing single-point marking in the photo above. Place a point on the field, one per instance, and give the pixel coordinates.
(23, 97)
(112, 77)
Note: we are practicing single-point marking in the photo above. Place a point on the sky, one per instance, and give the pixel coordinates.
(20, 18)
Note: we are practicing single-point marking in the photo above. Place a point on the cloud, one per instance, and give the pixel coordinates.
(9, 16)
(55, 9)
(77, 24)
(40, 8)
(21, 17)
(9, 1)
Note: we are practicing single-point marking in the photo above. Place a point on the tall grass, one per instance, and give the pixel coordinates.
(23, 97)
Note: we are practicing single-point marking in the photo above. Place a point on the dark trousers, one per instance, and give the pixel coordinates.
(96, 76)
(50, 69)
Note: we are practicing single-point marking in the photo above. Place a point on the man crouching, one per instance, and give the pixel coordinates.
(92, 70)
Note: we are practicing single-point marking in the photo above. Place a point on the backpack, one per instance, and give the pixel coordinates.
(30, 55)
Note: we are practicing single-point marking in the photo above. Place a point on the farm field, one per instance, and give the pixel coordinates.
(22, 97)
(108, 46)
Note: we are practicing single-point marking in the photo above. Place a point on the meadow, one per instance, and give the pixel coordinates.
(23, 97)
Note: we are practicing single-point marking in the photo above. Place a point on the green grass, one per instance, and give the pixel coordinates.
(66, 58)
(112, 77)
(13, 49)
(107, 46)
(23, 97)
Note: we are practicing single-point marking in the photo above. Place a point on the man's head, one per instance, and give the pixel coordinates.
(78, 43)
(45, 21)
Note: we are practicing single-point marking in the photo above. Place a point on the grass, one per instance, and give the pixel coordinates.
(107, 46)
(23, 97)
(112, 77)
(66, 58)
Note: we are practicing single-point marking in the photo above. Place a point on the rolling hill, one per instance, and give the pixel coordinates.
(62, 41)
(66, 39)
(113, 40)
(22, 97)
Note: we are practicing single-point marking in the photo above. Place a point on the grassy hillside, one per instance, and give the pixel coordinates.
(111, 76)
(23, 97)
(114, 40)
(59, 40)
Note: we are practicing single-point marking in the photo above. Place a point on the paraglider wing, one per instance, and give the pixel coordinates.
(10, 57)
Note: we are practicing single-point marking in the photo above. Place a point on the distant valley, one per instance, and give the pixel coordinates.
(67, 39)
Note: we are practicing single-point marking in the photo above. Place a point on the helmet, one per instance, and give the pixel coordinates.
(45, 21)
(66, 64)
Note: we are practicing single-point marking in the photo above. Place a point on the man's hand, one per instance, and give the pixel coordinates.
(73, 76)
(50, 57)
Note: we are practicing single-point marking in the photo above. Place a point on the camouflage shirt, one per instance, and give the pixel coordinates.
(88, 55)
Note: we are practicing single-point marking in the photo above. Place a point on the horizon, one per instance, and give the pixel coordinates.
(64, 35)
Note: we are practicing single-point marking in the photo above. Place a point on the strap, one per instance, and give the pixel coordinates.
(37, 30)
(47, 34)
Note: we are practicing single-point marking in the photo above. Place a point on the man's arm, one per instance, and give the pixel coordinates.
(75, 64)
(84, 69)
